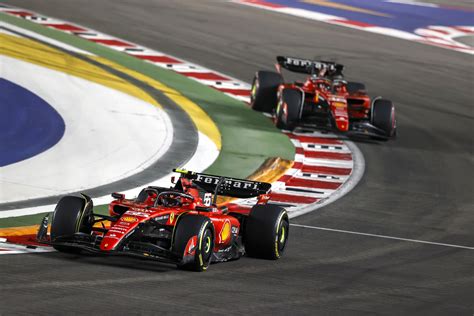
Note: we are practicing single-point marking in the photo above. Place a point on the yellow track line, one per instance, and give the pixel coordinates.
(45, 56)
(271, 170)
(340, 6)
(200, 118)
(19, 231)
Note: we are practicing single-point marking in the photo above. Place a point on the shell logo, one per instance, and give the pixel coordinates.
(316, 97)
(225, 232)
(129, 219)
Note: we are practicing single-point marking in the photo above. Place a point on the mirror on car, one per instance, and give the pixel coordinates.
(118, 196)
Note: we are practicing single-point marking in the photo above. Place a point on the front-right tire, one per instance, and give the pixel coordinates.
(383, 117)
(288, 110)
(263, 94)
(188, 227)
(266, 232)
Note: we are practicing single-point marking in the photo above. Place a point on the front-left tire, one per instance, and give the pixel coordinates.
(72, 215)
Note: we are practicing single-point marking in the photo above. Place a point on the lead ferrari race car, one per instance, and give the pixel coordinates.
(325, 101)
(180, 225)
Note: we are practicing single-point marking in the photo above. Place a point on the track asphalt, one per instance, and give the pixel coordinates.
(417, 187)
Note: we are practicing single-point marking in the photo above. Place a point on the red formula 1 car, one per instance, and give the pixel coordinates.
(180, 225)
(324, 101)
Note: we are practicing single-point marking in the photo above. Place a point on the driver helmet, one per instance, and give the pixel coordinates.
(171, 201)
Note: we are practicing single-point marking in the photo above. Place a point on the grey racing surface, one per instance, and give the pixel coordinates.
(417, 187)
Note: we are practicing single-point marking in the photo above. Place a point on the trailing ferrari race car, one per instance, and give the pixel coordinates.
(180, 225)
(325, 101)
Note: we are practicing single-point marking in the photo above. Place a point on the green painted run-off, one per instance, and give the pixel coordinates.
(248, 137)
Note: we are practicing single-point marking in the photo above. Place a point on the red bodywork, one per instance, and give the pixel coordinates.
(180, 224)
(324, 101)
(345, 107)
(131, 213)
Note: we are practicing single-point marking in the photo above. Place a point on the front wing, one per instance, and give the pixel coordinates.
(355, 129)
(91, 243)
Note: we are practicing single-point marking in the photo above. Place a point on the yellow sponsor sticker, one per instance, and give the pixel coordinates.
(129, 219)
(225, 231)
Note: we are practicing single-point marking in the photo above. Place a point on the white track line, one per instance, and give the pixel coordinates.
(119, 126)
(383, 236)
(444, 41)
(42, 38)
(234, 85)
(13, 249)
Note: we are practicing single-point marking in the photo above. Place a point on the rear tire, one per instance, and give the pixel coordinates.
(188, 227)
(383, 116)
(288, 109)
(266, 232)
(71, 215)
(263, 97)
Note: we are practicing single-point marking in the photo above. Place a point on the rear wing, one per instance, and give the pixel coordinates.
(308, 66)
(225, 186)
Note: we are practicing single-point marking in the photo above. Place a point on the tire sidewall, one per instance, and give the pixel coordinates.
(289, 100)
(188, 227)
(262, 228)
(263, 96)
(70, 216)
(281, 227)
(383, 116)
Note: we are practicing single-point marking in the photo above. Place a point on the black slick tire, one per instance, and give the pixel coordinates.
(187, 227)
(71, 215)
(263, 96)
(266, 232)
(288, 109)
(383, 117)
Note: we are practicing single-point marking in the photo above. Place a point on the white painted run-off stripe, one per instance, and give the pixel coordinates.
(356, 175)
(341, 21)
(234, 89)
(7, 248)
(383, 236)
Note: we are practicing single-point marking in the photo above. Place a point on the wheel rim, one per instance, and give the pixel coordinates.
(253, 91)
(207, 246)
(282, 235)
(87, 223)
